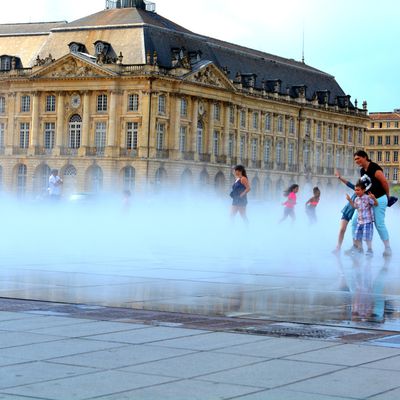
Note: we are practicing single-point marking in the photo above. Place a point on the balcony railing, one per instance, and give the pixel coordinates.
(268, 165)
(255, 164)
(95, 151)
(132, 153)
(319, 170)
(188, 155)
(293, 168)
(66, 151)
(329, 171)
(280, 166)
(43, 151)
(220, 159)
(162, 154)
(204, 157)
(18, 151)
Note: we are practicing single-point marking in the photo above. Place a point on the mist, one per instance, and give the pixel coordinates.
(182, 252)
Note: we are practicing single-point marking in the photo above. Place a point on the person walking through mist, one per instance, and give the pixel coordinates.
(239, 193)
(381, 190)
(55, 184)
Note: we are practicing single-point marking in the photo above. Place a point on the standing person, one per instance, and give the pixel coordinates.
(380, 189)
(239, 193)
(364, 204)
(55, 184)
(312, 204)
(290, 203)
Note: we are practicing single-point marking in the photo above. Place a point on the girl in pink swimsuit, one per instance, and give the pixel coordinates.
(290, 203)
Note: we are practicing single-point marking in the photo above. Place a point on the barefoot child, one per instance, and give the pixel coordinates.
(364, 205)
(290, 203)
(311, 205)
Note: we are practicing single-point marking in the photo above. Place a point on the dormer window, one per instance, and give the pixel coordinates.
(101, 48)
(5, 63)
(75, 47)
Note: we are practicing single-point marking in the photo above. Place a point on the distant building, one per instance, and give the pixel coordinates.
(382, 142)
(127, 99)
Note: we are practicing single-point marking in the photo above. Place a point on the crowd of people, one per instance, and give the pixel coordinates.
(364, 209)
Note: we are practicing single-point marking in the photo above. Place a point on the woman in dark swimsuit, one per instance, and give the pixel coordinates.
(239, 193)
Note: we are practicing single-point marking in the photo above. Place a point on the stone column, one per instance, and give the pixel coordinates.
(208, 147)
(193, 130)
(34, 130)
(86, 121)
(227, 130)
(112, 124)
(176, 128)
(9, 139)
(60, 123)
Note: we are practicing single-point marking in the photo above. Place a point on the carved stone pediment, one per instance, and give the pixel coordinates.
(71, 66)
(210, 75)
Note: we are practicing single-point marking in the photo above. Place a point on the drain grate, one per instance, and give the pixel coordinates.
(291, 331)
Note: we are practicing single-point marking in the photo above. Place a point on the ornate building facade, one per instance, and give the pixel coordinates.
(382, 142)
(128, 99)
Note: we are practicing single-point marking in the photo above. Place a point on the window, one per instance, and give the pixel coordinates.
(379, 158)
(339, 159)
(199, 143)
(380, 140)
(329, 158)
(49, 135)
(232, 115)
(395, 174)
(184, 108)
(387, 124)
(372, 125)
(75, 127)
(243, 119)
(216, 143)
(242, 147)
(182, 138)
(340, 134)
(162, 104)
(308, 128)
(267, 151)
(395, 140)
(387, 173)
(21, 179)
(279, 153)
(231, 145)
(380, 125)
(306, 155)
(349, 135)
(330, 132)
(5, 63)
(2, 134)
(132, 135)
(254, 149)
(292, 127)
(291, 154)
(396, 124)
(25, 103)
(160, 136)
(102, 103)
(387, 156)
(268, 122)
(133, 102)
(318, 156)
(51, 103)
(280, 124)
(360, 136)
(387, 140)
(395, 156)
(319, 131)
(217, 112)
(372, 155)
(255, 120)
(2, 105)
(24, 135)
(372, 140)
(100, 135)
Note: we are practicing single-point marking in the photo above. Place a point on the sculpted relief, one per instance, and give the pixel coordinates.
(208, 77)
(72, 69)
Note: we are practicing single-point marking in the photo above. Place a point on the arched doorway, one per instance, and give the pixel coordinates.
(41, 180)
(128, 178)
(255, 187)
(75, 131)
(69, 178)
(279, 188)
(94, 179)
(160, 178)
(21, 179)
(219, 183)
(187, 179)
(204, 178)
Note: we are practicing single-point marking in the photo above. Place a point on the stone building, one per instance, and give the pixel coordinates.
(125, 98)
(382, 142)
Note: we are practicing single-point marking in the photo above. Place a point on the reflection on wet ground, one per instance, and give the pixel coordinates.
(347, 291)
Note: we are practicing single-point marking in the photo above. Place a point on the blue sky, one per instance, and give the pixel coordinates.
(357, 41)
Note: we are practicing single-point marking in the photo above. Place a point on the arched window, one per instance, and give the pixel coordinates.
(268, 122)
(219, 182)
(22, 173)
(255, 187)
(204, 178)
(95, 179)
(187, 178)
(280, 124)
(292, 128)
(69, 178)
(267, 151)
(279, 187)
(41, 179)
(291, 154)
(200, 129)
(160, 178)
(75, 129)
(128, 176)
(279, 158)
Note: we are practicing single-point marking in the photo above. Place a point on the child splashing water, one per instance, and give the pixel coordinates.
(312, 204)
(364, 205)
(290, 203)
